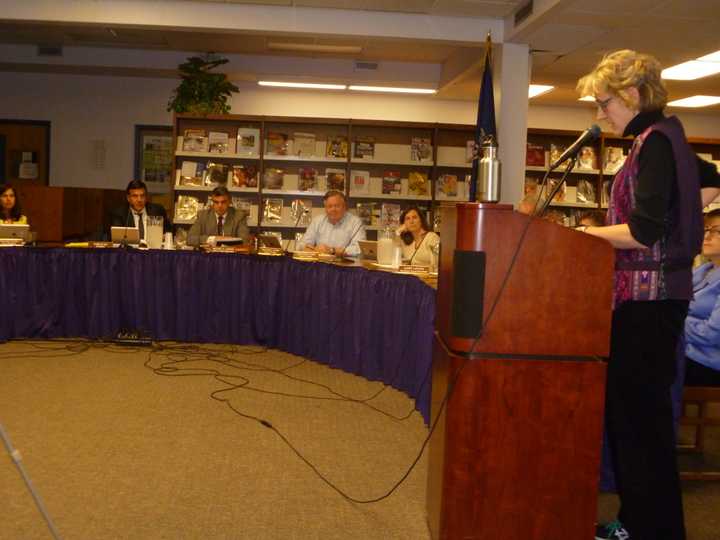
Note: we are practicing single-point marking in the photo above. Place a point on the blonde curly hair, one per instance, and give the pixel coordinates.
(620, 70)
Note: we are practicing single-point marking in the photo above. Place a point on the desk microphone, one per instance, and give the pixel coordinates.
(352, 237)
(590, 134)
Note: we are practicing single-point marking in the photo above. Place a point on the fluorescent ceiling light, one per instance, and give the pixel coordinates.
(312, 47)
(392, 89)
(538, 89)
(689, 71)
(313, 86)
(695, 101)
(712, 57)
(587, 98)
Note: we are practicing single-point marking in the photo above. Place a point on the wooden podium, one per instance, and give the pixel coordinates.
(516, 451)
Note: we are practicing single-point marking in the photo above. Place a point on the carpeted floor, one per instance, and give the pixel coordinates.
(177, 449)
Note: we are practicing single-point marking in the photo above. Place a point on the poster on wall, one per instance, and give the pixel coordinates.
(154, 157)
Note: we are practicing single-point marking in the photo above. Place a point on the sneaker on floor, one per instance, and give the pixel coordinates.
(612, 531)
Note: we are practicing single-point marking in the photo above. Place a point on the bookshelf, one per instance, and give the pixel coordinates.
(279, 166)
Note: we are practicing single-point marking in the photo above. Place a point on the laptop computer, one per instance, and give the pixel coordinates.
(124, 235)
(14, 231)
(368, 249)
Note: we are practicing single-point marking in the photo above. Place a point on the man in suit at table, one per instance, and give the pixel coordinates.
(137, 209)
(218, 222)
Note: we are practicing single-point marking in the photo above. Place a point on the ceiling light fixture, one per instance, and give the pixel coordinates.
(312, 47)
(392, 89)
(689, 71)
(313, 86)
(695, 101)
(535, 90)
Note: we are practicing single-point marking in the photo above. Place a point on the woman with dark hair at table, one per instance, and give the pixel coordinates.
(10, 209)
(702, 326)
(417, 238)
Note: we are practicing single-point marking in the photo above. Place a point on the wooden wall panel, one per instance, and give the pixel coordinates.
(29, 137)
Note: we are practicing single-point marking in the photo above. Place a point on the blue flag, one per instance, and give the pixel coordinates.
(485, 116)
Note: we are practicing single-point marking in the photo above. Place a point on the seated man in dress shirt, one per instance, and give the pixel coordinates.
(338, 231)
(219, 222)
(137, 209)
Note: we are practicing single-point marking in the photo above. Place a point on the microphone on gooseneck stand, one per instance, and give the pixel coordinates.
(297, 222)
(352, 237)
(128, 217)
(590, 134)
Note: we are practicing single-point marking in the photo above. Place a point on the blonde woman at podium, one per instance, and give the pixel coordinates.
(654, 222)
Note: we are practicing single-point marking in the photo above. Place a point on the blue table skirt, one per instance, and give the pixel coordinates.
(374, 324)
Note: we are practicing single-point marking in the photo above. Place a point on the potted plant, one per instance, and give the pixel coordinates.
(202, 91)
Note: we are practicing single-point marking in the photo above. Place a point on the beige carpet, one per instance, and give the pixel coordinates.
(118, 451)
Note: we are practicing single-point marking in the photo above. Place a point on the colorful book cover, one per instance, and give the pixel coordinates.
(337, 146)
(390, 215)
(248, 142)
(303, 144)
(273, 178)
(447, 186)
(335, 179)
(364, 148)
(391, 183)
(535, 155)
(420, 149)
(360, 182)
(418, 184)
(277, 143)
(244, 176)
(365, 212)
(307, 179)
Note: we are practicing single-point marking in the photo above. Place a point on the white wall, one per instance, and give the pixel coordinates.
(83, 109)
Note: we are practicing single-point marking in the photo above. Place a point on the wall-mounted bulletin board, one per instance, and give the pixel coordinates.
(24, 151)
(154, 157)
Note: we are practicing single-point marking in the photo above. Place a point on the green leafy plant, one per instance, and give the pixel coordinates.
(201, 91)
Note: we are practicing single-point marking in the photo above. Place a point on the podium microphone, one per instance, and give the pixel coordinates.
(590, 134)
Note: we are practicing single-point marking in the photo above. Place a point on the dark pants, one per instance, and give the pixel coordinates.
(697, 374)
(639, 417)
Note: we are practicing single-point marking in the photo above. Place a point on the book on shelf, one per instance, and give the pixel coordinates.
(560, 195)
(272, 210)
(218, 142)
(273, 178)
(531, 186)
(303, 144)
(585, 191)
(587, 158)
(359, 182)
(447, 186)
(418, 184)
(390, 215)
(556, 151)
(277, 143)
(301, 212)
(364, 148)
(365, 212)
(191, 173)
(335, 179)
(391, 183)
(242, 204)
(420, 149)
(535, 155)
(195, 140)
(216, 174)
(186, 207)
(248, 141)
(337, 146)
(307, 179)
(244, 176)
(613, 159)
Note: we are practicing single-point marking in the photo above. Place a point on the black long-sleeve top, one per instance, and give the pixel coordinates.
(657, 179)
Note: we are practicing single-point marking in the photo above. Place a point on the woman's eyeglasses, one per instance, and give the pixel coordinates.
(603, 103)
(712, 232)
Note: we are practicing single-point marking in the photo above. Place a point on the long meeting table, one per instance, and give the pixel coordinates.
(375, 324)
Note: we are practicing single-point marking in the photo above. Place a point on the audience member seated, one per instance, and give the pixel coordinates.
(220, 222)
(417, 238)
(137, 209)
(10, 209)
(702, 326)
(337, 231)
